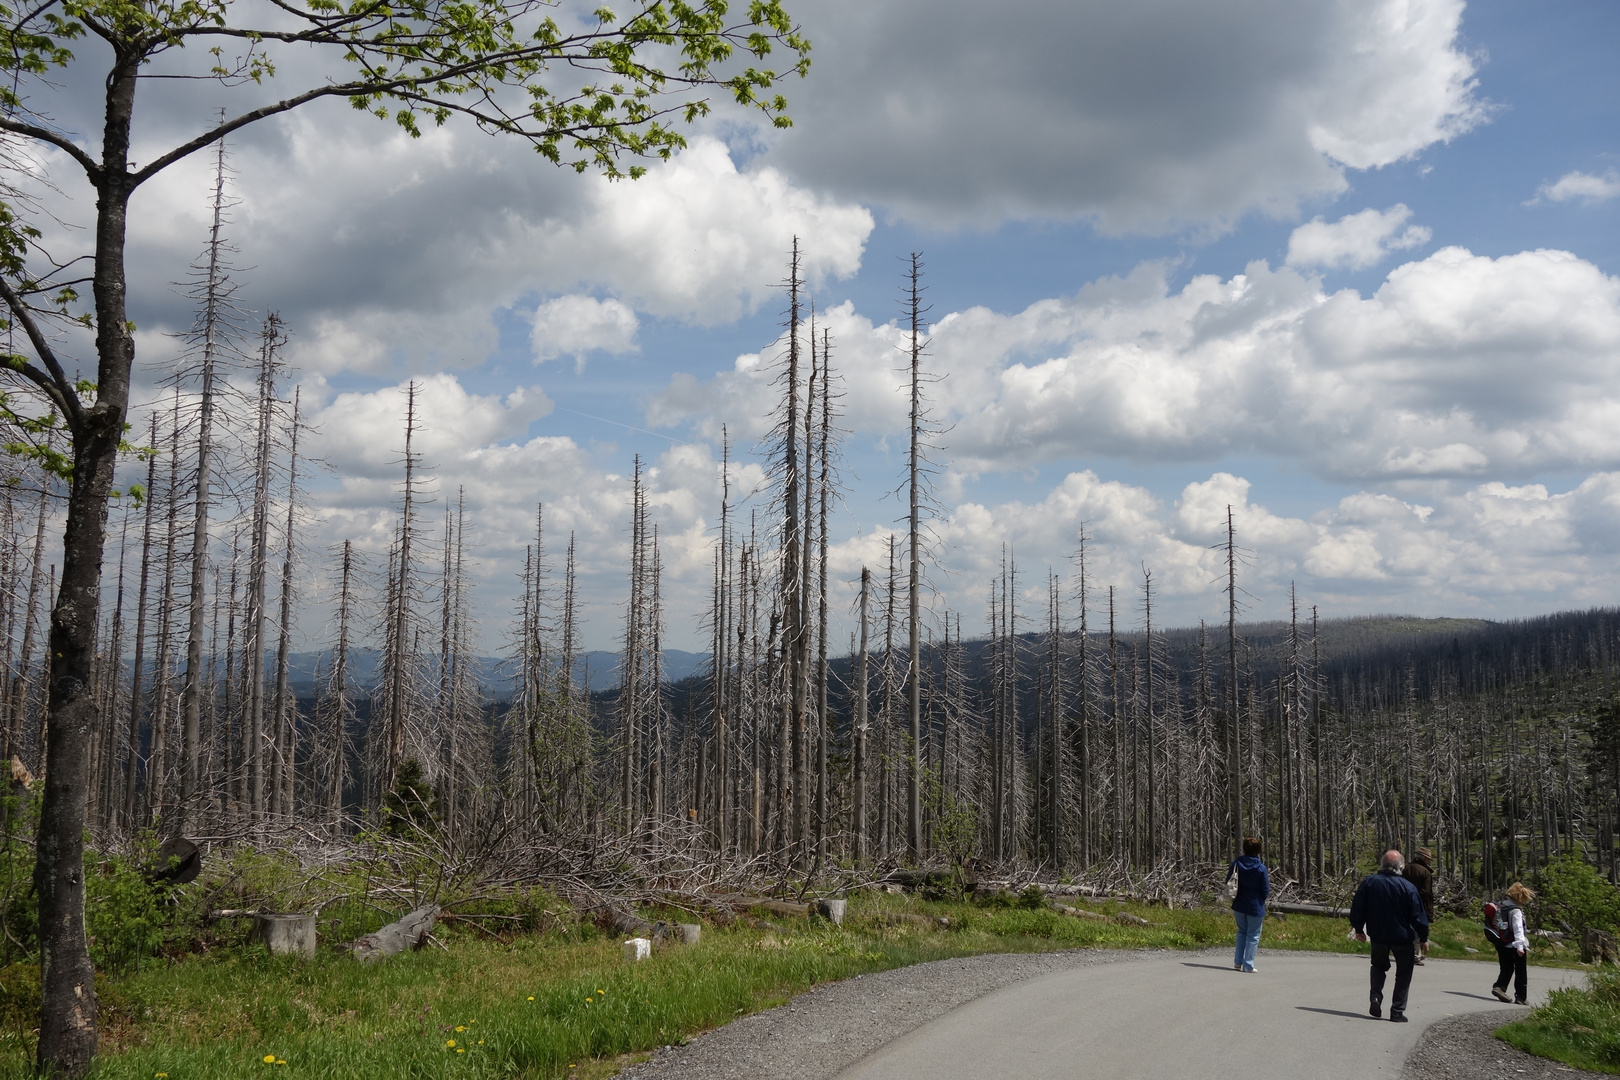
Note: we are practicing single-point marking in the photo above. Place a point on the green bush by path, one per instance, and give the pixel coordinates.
(1575, 893)
(1577, 1026)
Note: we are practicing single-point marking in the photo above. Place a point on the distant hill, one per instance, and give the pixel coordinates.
(598, 669)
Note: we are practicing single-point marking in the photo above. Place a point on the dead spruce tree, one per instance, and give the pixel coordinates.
(214, 337)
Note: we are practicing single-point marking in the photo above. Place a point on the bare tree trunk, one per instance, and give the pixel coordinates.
(258, 561)
(158, 795)
(1234, 743)
(914, 557)
(36, 593)
(283, 719)
(859, 734)
(401, 587)
(214, 295)
(823, 722)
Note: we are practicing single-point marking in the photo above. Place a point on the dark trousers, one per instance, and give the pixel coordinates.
(1405, 956)
(1512, 963)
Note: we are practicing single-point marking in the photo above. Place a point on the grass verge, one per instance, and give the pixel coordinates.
(563, 1003)
(1578, 1026)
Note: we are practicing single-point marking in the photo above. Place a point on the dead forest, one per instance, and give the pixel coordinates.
(1059, 732)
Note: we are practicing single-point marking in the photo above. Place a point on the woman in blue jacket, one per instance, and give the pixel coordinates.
(1249, 905)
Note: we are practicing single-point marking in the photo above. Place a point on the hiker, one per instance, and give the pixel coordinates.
(1421, 875)
(1506, 932)
(1248, 902)
(1388, 910)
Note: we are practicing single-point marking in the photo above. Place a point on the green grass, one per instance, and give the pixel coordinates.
(1577, 1026)
(563, 1003)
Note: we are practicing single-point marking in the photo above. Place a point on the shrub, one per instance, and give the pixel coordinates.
(124, 914)
(1573, 892)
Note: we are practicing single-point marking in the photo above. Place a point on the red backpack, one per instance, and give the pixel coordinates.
(1499, 922)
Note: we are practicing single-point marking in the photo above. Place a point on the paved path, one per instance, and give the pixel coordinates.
(1168, 1016)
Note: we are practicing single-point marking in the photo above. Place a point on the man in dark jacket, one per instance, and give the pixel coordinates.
(1422, 878)
(1388, 910)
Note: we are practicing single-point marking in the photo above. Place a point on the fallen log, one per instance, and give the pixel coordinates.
(1310, 909)
(776, 907)
(407, 933)
(1080, 913)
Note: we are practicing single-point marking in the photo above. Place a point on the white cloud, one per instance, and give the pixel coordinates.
(1148, 116)
(1356, 241)
(1458, 366)
(576, 325)
(1492, 550)
(1587, 188)
(386, 254)
(362, 435)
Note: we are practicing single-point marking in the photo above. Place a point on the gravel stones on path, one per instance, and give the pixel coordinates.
(827, 1029)
(1463, 1048)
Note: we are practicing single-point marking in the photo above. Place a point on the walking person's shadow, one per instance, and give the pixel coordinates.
(1335, 1012)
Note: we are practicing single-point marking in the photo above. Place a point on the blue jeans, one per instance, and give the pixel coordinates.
(1248, 939)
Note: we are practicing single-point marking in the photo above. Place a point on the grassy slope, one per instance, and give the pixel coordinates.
(1579, 1027)
(565, 1004)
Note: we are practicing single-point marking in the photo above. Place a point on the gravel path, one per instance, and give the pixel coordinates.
(1463, 1048)
(828, 1029)
(825, 1030)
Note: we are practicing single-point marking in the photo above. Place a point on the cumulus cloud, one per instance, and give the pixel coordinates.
(1585, 187)
(576, 325)
(362, 434)
(1146, 116)
(1458, 365)
(1355, 241)
(384, 253)
(1490, 549)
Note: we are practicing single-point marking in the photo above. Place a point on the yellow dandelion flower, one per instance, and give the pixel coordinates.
(269, 1059)
(461, 1050)
(461, 1027)
(531, 997)
(588, 1000)
(160, 1076)
(449, 1042)
(280, 1061)
(602, 993)
(480, 1042)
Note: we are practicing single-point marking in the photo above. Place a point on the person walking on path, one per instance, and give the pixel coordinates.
(1388, 910)
(1419, 873)
(1249, 903)
(1512, 947)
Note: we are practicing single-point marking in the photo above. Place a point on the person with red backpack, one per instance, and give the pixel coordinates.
(1504, 928)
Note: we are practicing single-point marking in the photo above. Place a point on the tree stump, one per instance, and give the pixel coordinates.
(286, 935)
(637, 949)
(393, 939)
(1598, 947)
(832, 909)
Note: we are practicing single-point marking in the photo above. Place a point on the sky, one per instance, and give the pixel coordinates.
(1346, 266)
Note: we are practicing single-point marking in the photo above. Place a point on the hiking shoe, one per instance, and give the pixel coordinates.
(1397, 1018)
(1500, 995)
(1375, 1010)
(1418, 961)
(1520, 1001)
(1237, 967)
